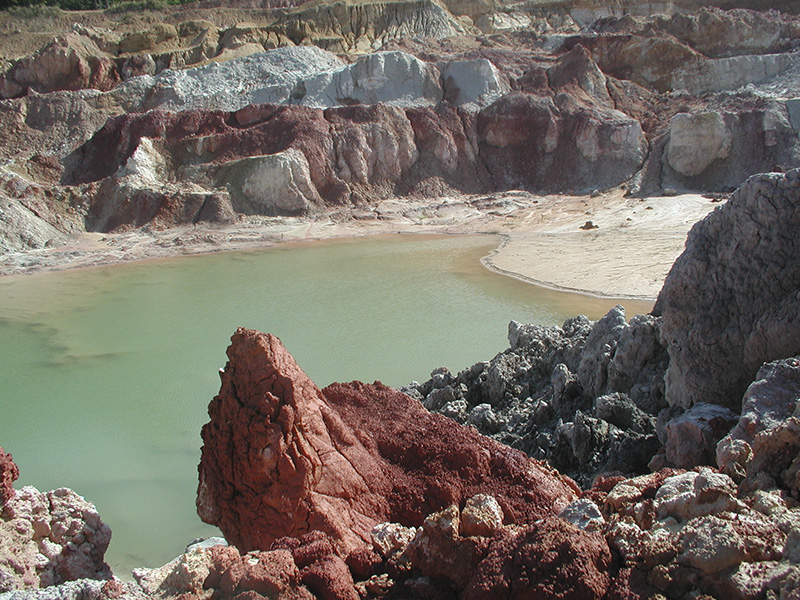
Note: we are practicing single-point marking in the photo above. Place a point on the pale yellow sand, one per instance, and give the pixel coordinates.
(628, 255)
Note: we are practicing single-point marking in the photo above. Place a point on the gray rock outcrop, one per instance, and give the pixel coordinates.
(298, 75)
(691, 438)
(394, 78)
(730, 302)
(583, 396)
(272, 76)
(763, 448)
(21, 229)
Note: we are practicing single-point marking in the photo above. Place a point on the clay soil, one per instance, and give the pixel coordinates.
(625, 253)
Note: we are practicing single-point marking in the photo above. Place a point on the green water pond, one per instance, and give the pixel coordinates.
(107, 372)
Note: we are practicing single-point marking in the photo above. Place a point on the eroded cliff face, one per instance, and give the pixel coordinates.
(417, 102)
(296, 160)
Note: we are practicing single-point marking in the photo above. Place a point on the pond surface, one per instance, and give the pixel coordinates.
(107, 372)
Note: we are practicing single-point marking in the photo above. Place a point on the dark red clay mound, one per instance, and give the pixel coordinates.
(432, 464)
(282, 458)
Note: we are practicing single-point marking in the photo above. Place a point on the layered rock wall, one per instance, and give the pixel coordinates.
(432, 108)
(351, 154)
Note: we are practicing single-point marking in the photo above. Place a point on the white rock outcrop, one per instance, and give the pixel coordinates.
(271, 76)
(473, 81)
(697, 140)
(270, 185)
(394, 78)
(719, 74)
(21, 229)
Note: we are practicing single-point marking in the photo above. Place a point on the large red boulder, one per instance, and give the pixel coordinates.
(282, 457)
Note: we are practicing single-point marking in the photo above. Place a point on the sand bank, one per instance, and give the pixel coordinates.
(628, 254)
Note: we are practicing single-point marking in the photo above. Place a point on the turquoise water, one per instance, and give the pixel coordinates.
(107, 372)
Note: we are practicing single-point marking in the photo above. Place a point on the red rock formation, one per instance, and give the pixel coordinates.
(273, 574)
(9, 473)
(433, 464)
(282, 458)
(552, 559)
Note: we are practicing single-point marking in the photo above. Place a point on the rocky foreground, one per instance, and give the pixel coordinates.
(680, 486)
(656, 457)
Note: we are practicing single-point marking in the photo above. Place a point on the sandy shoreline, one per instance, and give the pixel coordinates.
(627, 255)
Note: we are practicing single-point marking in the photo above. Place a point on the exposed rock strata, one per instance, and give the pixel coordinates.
(70, 62)
(282, 458)
(348, 155)
(622, 102)
(741, 257)
(585, 395)
(86, 57)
